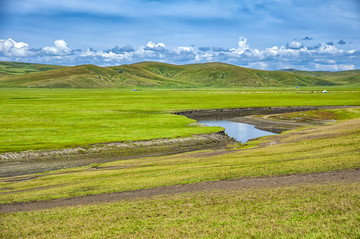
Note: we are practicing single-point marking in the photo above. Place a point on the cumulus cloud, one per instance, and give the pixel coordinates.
(322, 56)
(60, 48)
(294, 45)
(329, 49)
(242, 46)
(105, 55)
(151, 46)
(184, 50)
(11, 48)
(120, 50)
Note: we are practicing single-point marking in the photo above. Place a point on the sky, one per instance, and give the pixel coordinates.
(262, 34)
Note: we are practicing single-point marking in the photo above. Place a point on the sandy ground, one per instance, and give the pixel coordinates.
(346, 176)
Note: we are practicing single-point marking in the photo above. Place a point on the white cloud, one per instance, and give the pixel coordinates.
(293, 55)
(152, 46)
(329, 49)
(106, 56)
(11, 48)
(205, 57)
(184, 50)
(60, 48)
(294, 45)
(242, 46)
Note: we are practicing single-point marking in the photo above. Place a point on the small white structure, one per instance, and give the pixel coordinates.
(324, 91)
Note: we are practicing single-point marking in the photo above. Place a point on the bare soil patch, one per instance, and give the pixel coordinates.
(346, 176)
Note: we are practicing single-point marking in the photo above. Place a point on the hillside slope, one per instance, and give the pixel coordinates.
(8, 68)
(167, 75)
(342, 77)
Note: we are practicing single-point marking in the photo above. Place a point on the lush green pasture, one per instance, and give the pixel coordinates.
(313, 211)
(322, 148)
(58, 118)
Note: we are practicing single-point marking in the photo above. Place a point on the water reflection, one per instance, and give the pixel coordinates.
(240, 131)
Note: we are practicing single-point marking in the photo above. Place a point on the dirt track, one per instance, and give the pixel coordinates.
(346, 176)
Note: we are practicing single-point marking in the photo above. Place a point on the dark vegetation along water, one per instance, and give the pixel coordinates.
(240, 131)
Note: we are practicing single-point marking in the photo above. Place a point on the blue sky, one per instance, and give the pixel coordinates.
(261, 34)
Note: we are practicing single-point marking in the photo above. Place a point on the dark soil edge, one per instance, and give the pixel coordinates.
(28, 162)
(238, 112)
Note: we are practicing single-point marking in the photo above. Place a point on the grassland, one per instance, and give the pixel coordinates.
(59, 118)
(343, 77)
(311, 211)
(322, 148)
(19, 68)
(155, 74)
(329, 210)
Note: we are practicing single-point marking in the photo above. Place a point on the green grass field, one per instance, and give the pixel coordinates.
(308, 211)
(320, 211)
(59, 118)
(315, 149)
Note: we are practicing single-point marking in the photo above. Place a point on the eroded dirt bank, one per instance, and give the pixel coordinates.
(238, 112)
(346, 176)
(249, 115)
(27, 162)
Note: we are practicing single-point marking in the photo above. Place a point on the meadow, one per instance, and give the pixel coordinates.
(306, 211)
(38, 119)
(311, 210)
(59, 118)
(315, 149)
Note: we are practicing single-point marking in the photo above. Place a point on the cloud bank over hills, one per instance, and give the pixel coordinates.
(302, 34)
(297, 54)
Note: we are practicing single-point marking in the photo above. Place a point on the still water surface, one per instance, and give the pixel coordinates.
(240, 131)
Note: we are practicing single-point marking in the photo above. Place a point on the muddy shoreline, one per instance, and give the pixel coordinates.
(249, 115)
(227, 113)
(27, 162)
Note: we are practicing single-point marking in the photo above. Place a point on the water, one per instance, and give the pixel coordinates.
(240, 131)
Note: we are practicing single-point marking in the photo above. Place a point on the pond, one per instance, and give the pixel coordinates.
(240, 131)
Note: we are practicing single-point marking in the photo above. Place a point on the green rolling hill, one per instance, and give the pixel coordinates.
(19, 68)
(13, 74)
(340, 77)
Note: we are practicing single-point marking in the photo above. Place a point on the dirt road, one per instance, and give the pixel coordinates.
(346, 176)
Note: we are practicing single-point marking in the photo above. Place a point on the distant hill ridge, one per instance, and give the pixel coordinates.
(14, 74)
